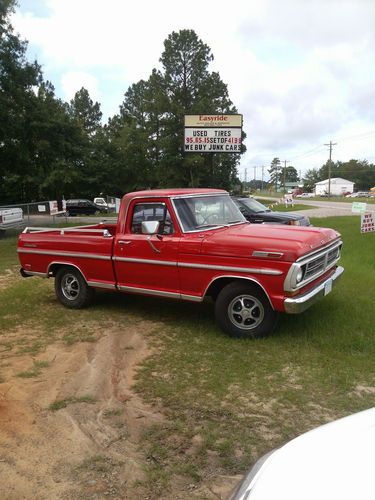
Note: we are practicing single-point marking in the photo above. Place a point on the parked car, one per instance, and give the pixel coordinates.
(82, 207)
(257, 213)
(306, 195)
(360, 194)
(333, 461)
(101, 203)
(11, 218)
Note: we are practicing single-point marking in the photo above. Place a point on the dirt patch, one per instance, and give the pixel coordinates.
(89, 448)
(9, 277)
(73, 429)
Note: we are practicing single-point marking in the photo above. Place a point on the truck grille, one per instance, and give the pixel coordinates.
(312, 266)
(315, 266)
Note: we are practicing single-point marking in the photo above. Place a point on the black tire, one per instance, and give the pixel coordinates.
(243, 310)
(71, 288)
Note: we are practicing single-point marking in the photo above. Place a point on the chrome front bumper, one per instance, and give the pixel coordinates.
(303, 302)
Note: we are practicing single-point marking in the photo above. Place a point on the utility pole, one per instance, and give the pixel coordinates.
(331, 144)
(255, 176)
(246, 178)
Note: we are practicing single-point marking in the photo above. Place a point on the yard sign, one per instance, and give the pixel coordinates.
(367, 223)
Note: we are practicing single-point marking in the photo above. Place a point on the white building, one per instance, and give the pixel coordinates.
(339, 186)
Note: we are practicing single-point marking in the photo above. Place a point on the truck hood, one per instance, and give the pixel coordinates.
(243, 239)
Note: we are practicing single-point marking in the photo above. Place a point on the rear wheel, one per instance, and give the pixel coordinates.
(243, 310)
(71, 288)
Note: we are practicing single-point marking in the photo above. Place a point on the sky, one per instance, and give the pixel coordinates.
(302, 72)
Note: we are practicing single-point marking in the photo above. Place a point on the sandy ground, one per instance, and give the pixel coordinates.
(87, 449)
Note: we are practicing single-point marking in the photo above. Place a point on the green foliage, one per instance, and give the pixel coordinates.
(149, 129)
(274, 171)
(52, 149)
(361, 172)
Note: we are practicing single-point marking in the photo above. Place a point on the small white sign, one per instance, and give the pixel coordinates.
(41, 208)
(53, 207)
(358, 207)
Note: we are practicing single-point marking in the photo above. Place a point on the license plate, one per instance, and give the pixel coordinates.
(328, 287)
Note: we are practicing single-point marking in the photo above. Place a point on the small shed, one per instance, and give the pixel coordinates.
(339, 187)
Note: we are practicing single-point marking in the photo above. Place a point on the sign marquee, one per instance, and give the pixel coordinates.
(213, 133)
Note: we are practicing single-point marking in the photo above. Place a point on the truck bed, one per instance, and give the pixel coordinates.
(42, 250)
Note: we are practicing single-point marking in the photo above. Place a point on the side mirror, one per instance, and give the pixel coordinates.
(150, 226)
(242, 210)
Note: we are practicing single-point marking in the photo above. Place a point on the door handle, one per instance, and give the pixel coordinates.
(124, 242)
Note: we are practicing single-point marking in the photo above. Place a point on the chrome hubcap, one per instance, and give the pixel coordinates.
(246, 312)
(70, 287)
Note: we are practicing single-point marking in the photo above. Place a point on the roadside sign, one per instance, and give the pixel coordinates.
(213, 133)
(367, 223)
(358, 207)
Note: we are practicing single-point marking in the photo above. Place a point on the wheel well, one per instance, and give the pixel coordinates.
(55, 266)
(217, 285)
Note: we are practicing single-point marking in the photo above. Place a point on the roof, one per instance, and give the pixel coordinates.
(335, 180)
(174, 192)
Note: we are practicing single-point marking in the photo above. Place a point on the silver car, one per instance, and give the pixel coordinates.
(333, 462)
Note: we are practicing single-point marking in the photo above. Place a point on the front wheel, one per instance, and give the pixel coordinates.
(71, 288)
(243, 310)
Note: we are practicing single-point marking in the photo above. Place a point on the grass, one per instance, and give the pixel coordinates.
(35, 370)
(63, 403)
(226, 401)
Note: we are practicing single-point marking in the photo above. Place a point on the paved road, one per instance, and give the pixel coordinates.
(328, 208)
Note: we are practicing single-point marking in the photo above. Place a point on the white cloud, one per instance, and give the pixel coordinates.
(301, 72)
(72, 81)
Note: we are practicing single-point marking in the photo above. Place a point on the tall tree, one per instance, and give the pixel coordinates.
(157, 107)
(274, 172)
(18, 79)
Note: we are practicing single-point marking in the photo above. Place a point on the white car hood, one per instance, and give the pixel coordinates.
(333, 462)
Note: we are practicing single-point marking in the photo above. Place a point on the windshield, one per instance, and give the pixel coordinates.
(254, 205)
(205, 212)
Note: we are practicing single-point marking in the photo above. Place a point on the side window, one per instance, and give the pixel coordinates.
(151, 211)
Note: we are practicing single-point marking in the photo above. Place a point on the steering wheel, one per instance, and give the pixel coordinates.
(207, 219)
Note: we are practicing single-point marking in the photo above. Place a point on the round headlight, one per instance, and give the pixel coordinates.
(299, 276)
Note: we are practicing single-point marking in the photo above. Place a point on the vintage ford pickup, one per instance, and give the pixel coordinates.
(190, 244)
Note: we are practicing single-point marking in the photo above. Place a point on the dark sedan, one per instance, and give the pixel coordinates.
(82, 207)
(257, 213)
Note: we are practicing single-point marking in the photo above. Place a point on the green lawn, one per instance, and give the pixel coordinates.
(226, 401)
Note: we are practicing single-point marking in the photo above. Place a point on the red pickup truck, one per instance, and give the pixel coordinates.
(189, 244)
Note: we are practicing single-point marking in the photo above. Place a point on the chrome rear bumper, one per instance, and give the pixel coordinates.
(303, 302)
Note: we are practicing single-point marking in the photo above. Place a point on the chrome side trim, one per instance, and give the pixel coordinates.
(83, 255)
(149, 291)
(272, 272)
(190, 265)
(146, 261)
(239, 278)
(192, 298)
(98, 284)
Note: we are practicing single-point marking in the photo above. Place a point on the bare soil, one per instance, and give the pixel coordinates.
(90, 448)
